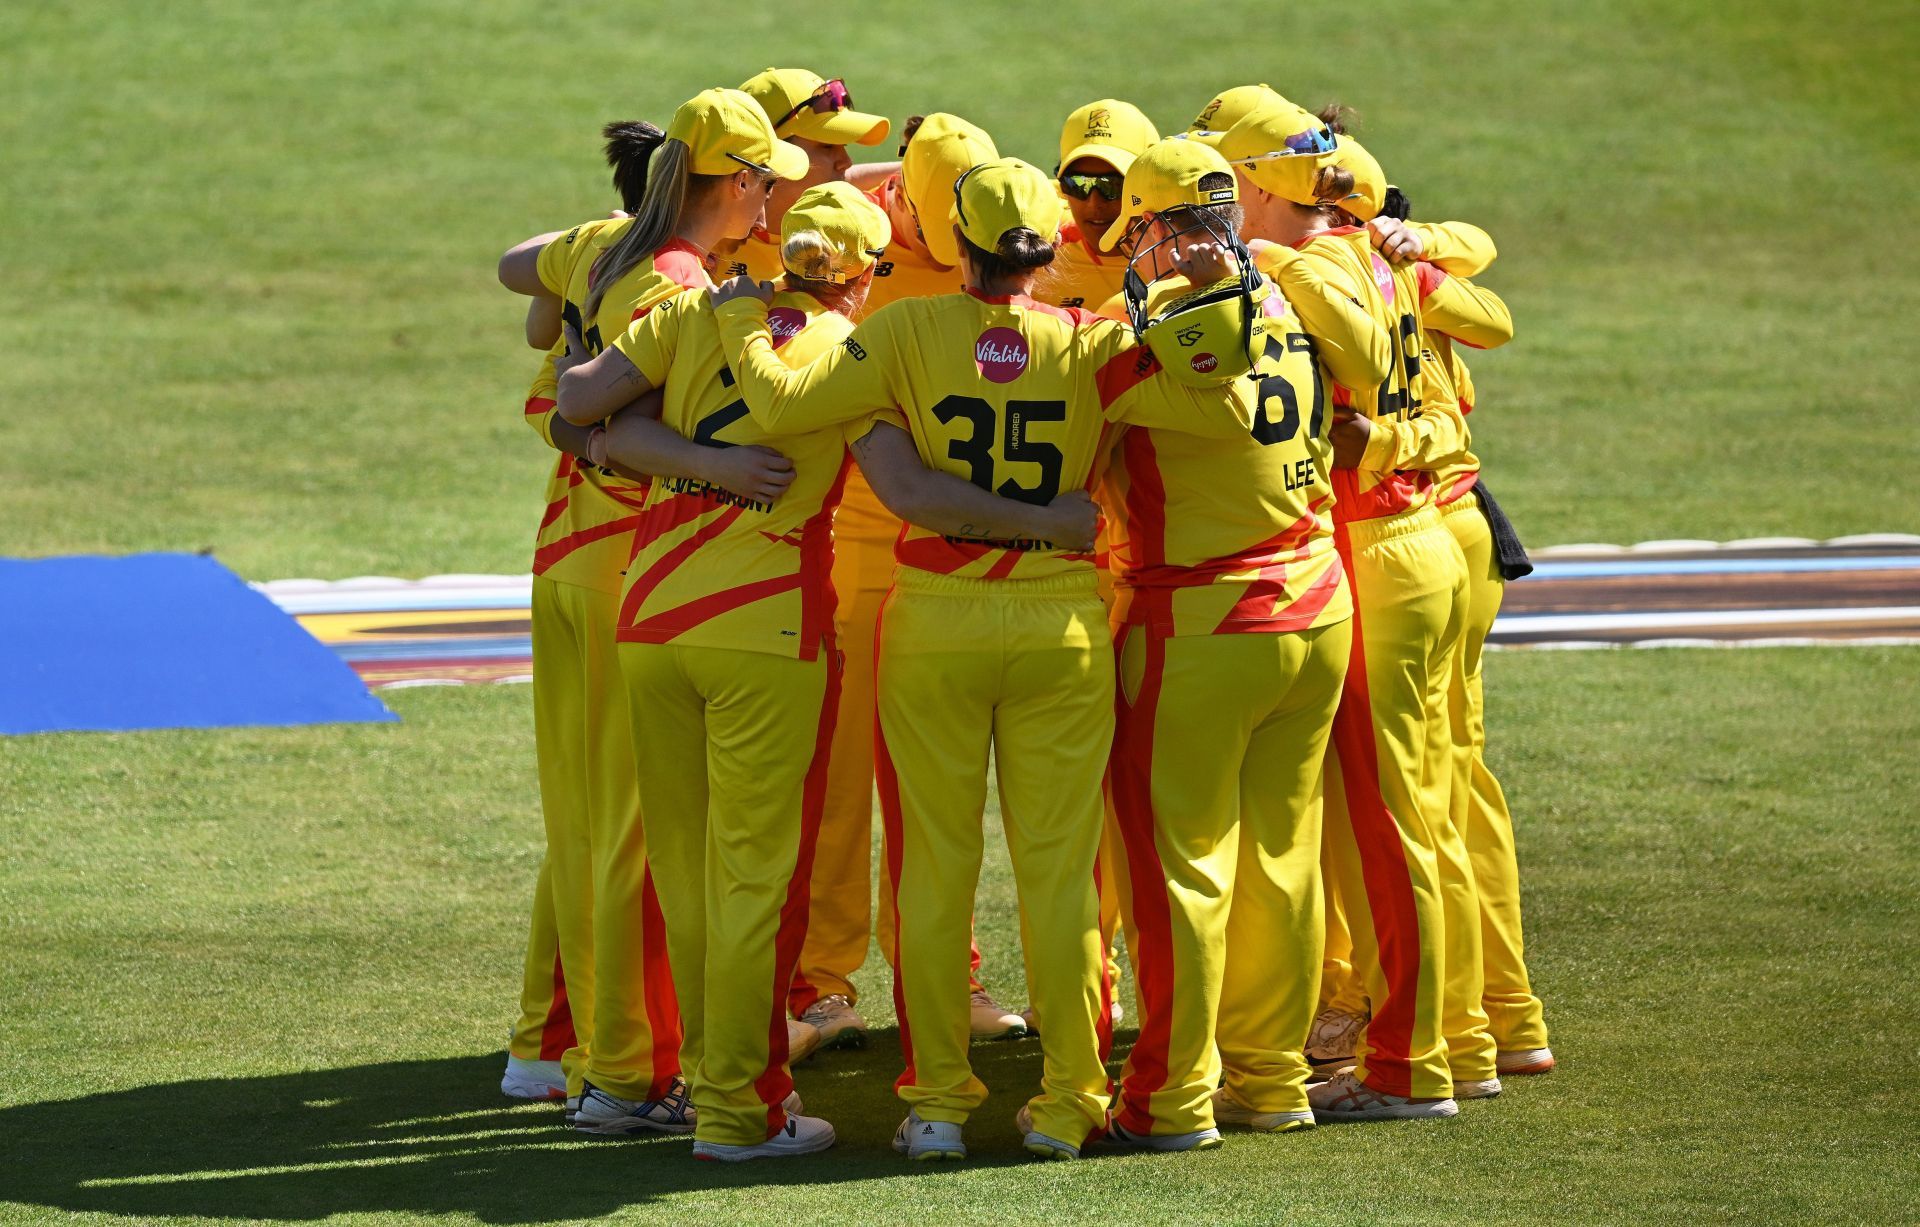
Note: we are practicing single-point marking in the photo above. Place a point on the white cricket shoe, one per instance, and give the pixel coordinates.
(1040, 1145)
(1345, 1097)
(1522, 1062)
(612, 1116)
(533, 1080)
(1483, 1088)
(928, 1141)
(803, 1040)
(1230, 1111)
(989, 1020)
(1198, 1139)
(1031, 1017)
(1334, 1034)
(801, 1135)
(839, 1024)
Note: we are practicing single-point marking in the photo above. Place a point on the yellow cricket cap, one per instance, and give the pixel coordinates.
(1227, 109)
(1006, 194)
(1369, 181)
(803, 103)
(727, 132)
(1281, 148)
(1111, 130)
(853, 231)
(1166, 176)
(939, 153)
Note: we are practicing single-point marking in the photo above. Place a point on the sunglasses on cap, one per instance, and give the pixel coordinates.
(831, 97)
(1080, 187)
(1310, 143)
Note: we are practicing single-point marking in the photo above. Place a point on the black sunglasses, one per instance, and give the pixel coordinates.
(1080, 187)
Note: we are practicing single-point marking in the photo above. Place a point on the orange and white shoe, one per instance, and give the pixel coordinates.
(1524, 1062)
(1345, 1097)
(533, 1080)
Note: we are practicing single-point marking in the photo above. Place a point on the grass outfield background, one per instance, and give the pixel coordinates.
(264, 974)
(250, 244)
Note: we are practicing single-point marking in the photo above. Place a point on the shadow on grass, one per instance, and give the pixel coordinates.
(436, 1137)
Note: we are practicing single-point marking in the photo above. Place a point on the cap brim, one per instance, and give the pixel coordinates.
(1129, 214)
(1210, 139)
(788, 161)
(840, 127)
(1114, 156)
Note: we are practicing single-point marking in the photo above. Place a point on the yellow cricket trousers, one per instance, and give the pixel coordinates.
(1383, 834)
(1479, 806)
(733, 749)
(1217, 760)
(1024, 669)
(544, 1030)
(843, 887)
(612, 947)
(590, 797)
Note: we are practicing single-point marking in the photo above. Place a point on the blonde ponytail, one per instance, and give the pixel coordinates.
(653, 222)
(808, 256)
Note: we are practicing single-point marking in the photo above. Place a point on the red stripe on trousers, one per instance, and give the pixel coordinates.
(656, 978)
(556, 1033)
(776, 1082)
(887, 785)
(1383, 865)
(1131, 769)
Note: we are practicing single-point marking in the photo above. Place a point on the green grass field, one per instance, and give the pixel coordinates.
(265, 974)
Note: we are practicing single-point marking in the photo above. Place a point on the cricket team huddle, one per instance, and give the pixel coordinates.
(1145, 485)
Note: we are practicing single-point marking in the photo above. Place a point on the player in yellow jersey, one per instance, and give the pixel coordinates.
(1409, 590)
(1478, 804)
(817, 116)
(582, 762)
(1450, 309)
(1098, 142)
(935, 149)
(544, 1030)
(1007, 639)
(1232, 624)
(728, 650)
(706, 184)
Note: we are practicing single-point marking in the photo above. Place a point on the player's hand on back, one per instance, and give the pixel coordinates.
(750, 471)
(1071, 521)
(1350, 432)
(1397, 244)
(576, 354)
(734, 288)
(1205, 263)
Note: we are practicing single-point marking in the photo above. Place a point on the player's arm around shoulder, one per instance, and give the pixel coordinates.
(1357, 351)
(847, 381)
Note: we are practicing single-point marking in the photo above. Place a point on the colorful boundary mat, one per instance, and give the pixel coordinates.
(159, 641)
(454, 629)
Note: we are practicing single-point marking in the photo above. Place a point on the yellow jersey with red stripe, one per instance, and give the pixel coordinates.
(1409, 425)
(712, 569)
(1016, 396)
(586, 531)
(1452, 480)
(1081, 275)
(1234, 535)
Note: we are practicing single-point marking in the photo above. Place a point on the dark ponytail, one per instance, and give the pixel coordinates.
(630, 146)
(1021, 251)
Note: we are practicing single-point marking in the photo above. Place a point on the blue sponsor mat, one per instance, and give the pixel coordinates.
(159, 641)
